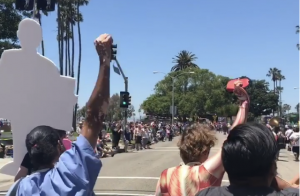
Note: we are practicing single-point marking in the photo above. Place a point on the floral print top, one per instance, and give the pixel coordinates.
(185, 180)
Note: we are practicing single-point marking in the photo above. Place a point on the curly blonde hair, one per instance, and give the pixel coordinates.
(196, 140)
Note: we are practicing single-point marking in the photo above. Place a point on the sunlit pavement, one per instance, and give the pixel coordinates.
(136, 173)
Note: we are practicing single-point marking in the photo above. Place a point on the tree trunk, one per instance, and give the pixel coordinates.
(66, 58)
(58, 38)
(62, 44)
(79, 53)
(40, 21)
(73, 51)
(69, 55)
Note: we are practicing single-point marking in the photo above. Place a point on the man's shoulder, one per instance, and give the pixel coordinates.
(211, 191)
(290, 192)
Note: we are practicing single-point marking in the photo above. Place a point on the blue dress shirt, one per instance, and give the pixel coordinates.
(75, 174)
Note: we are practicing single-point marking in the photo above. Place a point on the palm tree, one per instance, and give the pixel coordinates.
(273, 73)
(79, 19)
(183, 60)
(280, 77)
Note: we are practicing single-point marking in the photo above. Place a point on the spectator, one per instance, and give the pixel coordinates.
(249, 158)
(197, 171)
(294, 138)
(77, 170)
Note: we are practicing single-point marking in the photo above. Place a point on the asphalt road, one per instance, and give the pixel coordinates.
(136, 173)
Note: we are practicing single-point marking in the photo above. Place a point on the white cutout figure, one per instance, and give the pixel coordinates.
(32, 92)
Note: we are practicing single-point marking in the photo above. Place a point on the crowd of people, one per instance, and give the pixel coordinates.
(138, 136)
(248, 155)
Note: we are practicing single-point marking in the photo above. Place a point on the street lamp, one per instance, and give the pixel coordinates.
(173, 87)
(296, 87)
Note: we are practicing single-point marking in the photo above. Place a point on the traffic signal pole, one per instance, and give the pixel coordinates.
(126, 90)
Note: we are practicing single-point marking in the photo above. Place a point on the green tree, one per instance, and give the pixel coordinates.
(262, 101)
(273, 74)
(297, 108)
(183, 60)
(114, 110)
(68, 15)
(9, 22)
(204, 94)
(81, 112)
(130, 111)
(286, 108)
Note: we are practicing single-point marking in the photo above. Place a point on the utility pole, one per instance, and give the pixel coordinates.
(125, 109)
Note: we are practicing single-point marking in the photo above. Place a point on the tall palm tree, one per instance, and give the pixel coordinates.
(280, 77)
(38, 15)
(183, 60)
(273, 73)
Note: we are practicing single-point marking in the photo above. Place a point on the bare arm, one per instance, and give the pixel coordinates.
(98, 103)
(23, 171)
(295, 180)
(214, 165)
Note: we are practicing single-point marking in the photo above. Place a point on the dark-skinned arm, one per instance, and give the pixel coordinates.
(97, 105)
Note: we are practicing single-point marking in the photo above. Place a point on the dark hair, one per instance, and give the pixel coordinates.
(249, 151)
(41, 144)
(62, 134)
(296, 129)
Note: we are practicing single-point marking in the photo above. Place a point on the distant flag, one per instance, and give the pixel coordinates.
(116, 70)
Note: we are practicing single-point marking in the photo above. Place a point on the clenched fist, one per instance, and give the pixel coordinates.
(103, 46)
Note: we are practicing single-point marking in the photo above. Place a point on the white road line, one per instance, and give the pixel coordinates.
(122, 194)
(127, 177)
(133, 177)
(158, 147)
(99, 193)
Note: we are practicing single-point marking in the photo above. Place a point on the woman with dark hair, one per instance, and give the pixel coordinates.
(75, 171)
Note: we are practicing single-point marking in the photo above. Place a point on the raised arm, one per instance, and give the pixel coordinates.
(214, 164)
(97, 105)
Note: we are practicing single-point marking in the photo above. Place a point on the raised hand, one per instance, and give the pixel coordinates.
(103, 46)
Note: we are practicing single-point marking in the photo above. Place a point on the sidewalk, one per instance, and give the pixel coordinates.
(5, 178)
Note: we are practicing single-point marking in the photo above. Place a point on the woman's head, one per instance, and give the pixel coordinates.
(296, 129)
(44, 146)
(195, 143)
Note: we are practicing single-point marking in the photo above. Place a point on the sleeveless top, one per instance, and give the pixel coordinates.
(185, 180)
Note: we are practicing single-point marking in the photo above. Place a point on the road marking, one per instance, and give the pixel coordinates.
(133, 177)
(98, 193)
(122, 194)
(178, 148)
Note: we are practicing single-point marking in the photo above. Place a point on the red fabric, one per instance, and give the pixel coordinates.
(185, 181)
(230, 84)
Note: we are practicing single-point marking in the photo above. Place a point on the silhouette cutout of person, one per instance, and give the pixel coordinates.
(32, 91)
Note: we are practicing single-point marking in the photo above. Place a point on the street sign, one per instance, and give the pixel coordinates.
(174, 110)
(116, 70)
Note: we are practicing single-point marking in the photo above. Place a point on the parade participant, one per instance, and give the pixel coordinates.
(252, 173)
(77, 170)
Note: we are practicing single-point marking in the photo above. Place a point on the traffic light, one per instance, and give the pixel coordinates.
(26, 5)
(124, 99)
(46, 5)
(129, 100)
(113, 51)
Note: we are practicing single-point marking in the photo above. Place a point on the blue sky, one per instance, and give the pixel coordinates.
(231, 38)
